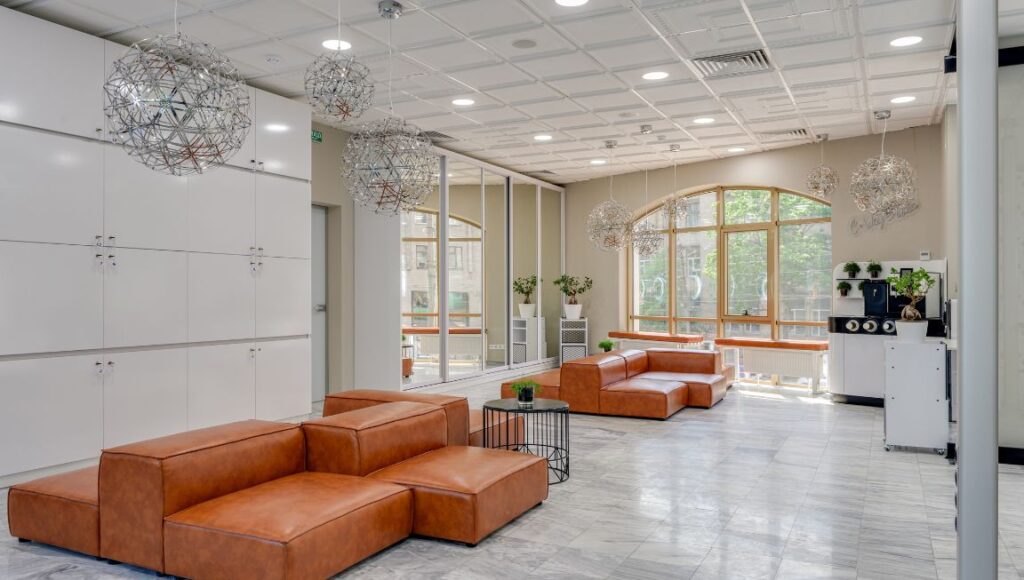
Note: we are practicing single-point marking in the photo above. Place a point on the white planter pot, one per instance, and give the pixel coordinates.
(573, 311)
(527, 310)
(915, 331)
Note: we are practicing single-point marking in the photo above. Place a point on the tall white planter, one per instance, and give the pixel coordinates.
(573, 311)
(911, 331)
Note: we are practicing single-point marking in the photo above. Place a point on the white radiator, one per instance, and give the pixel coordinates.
(782, 362)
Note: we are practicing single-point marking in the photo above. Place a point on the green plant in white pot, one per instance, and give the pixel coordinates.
(572, 287)
(525, 286)
(913, 286)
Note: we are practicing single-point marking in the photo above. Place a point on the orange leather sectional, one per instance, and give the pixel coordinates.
(259, 499)
(655, 383)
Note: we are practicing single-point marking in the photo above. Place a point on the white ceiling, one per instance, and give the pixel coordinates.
(832, 66)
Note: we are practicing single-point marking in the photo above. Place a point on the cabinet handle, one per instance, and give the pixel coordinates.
(252, 352)
(113, 260)
(261, 165)
(99, 241)
(111, 241)
(99, 368)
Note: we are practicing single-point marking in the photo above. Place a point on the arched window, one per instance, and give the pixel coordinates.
(741, 261)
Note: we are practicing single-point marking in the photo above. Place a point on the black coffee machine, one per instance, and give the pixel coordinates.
(876, 298)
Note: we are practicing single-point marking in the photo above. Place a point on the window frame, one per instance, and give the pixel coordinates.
(722, 230)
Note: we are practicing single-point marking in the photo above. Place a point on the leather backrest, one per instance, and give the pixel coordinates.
(362, 441)
(583, 378)
(678, 360)
(456, 408)
(636, 361)
(141, 483)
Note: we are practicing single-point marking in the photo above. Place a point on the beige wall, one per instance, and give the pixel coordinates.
(786, 168)
(951, 192)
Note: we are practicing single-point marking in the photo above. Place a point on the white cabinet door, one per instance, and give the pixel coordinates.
(145, 298)
(51, 298)
(221, 297)
(221, 211)
(144, 395)
(52, 411)
(52, 76)
(51, 187)
(282, 216)
(283, 375)
(221, 384)
(283, 298)
(283, 144)
(864, 366)
(143, 208)
(246, 155)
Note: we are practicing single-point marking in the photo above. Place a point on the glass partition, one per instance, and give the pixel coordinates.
(551, 266)
(420, 287)
(496, 286)
(527, 334)
(465, 265)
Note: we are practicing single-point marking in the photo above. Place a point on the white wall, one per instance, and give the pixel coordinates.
(378, 320)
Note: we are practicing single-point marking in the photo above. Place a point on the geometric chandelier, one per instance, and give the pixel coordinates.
(177, 106)
(337, 86)
(610, 224)
(822, 180)
(884, 186)
(646, 238)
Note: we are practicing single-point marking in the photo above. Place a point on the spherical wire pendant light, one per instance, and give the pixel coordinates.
(389, 163)
(646, 238)
(884, 186)
(675, 205)
(823, 180)
(337, 85)
(176, 106)
(610, 224)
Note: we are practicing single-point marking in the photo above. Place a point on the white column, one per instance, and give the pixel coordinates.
(378, 301)
(977, 58)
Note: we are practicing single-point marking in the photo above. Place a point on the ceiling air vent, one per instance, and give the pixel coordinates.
(733, 64)
(438, 137)
(784, 135)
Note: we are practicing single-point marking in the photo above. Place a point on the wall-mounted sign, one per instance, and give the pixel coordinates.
(318, 136)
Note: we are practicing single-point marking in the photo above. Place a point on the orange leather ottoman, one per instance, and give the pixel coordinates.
(705, 389)
(60, 510)
(362, 441)
(466, 493)
(307, 525)
(514, 433)
(702, 370)
(642, 397)
(456, 408)
(549, 381)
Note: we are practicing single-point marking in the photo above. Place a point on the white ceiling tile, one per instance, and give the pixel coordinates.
(934, 38)
(606, 29)
(745, 83)
(632, 116)
(475, 17)
(410, 31)
(917, 62)
(452, 56)
(486, 77)
(810, 27)
(551, 108)
(616, 100)
(562, 65)
(351, 10)
(818, 52)
(822, 74)
(649, 52)
(312, 41)
(497, 115)
(273, 17)
(526, 92)
(672, 92)
(763, 10)
(692, 107)
(547, 41)
(76, 16)
(896, 15)
(905, 83)
(272, 57)
(685, 17)
(587, 85)
(634, 77)
(717, 40)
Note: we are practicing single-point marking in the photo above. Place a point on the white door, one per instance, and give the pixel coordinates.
(51, 187)
(51, 298)
(282, 297)
(283, 144)
(144, 395)
(221, 297)
(221, 384)
(52, 411)
(145, 298)
(282, 217)
(318, 329)
(221, 211)
(143, 208)
(282, 379)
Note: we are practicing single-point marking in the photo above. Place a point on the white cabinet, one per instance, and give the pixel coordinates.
(221, 211)
(221, 384)
(282, 217)
(52, 76)
(51, 298)
(51, 186)
(916, 408)
(245, 157)
(283, 297)
(283, 144)
(145, 298)
(221, 297)
(143, 208)
(863, 375)
(144, 395)
(52, 411)
(283, 375)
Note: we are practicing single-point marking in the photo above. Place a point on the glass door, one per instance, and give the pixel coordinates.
(496, 287)
(527, 317)
(465, 264)
(419, 296)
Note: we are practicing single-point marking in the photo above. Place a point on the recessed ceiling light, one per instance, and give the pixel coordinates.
(903, 100)
(598, 161)
(463, 102)
(656, 75)
(542, 137)
(336, 45)
(276, 128)
(736, 149)
(524, 43)
(905, 41)
(704, 120)
(571, 3)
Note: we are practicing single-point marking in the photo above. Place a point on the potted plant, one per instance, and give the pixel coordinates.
(844, 288)
(851, 269)
(572, 287)
(525, 286)
(914, 286)
(874, 268)
(606, 345)
(525, 390)
(860, 285)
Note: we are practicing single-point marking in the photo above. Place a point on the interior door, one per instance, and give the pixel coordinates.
(318, 331)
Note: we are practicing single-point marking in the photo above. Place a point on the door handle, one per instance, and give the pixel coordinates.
(320, 308)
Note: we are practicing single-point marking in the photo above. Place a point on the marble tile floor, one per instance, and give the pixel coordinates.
(767, 485)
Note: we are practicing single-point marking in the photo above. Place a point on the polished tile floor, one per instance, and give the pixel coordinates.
(768, 484)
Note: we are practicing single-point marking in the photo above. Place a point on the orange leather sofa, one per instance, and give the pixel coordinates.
(456, 409)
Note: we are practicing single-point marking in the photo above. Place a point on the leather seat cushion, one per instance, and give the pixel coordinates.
(306, 525)
(642, 397)
(456, 408)
(60, 510)
(503, 433)
(549, 381)
(705, 389)
(466, 493)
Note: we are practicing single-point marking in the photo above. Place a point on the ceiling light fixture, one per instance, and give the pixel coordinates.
(646, 129)
(884, 186)
(598, 161)
(337, 86)
(646, 238)
(525, 43)
(655, 75)
(571, 3)
(336, 45)
(736, 149)
(542, 137)
(823, 179)
(610, 224)
(903, 100)
(463, 102)
(704, 120)
(905, 41)
(276, 128)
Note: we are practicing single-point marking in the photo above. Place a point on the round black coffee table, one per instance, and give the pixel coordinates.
(541, 429)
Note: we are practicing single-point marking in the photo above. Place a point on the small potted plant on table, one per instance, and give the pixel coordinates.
(525, 390)
(851, 269)
(572, 287)
(606, 345)
(844, 288)
(525, 286)
(874, 268)
(914, 286)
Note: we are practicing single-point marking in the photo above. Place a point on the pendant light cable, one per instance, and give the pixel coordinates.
(176, 31)
(391, 101)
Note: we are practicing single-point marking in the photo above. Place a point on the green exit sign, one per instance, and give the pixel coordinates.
(318, 136)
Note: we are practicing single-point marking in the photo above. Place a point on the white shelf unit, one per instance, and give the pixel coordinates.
(526, 346)
(573, 336)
